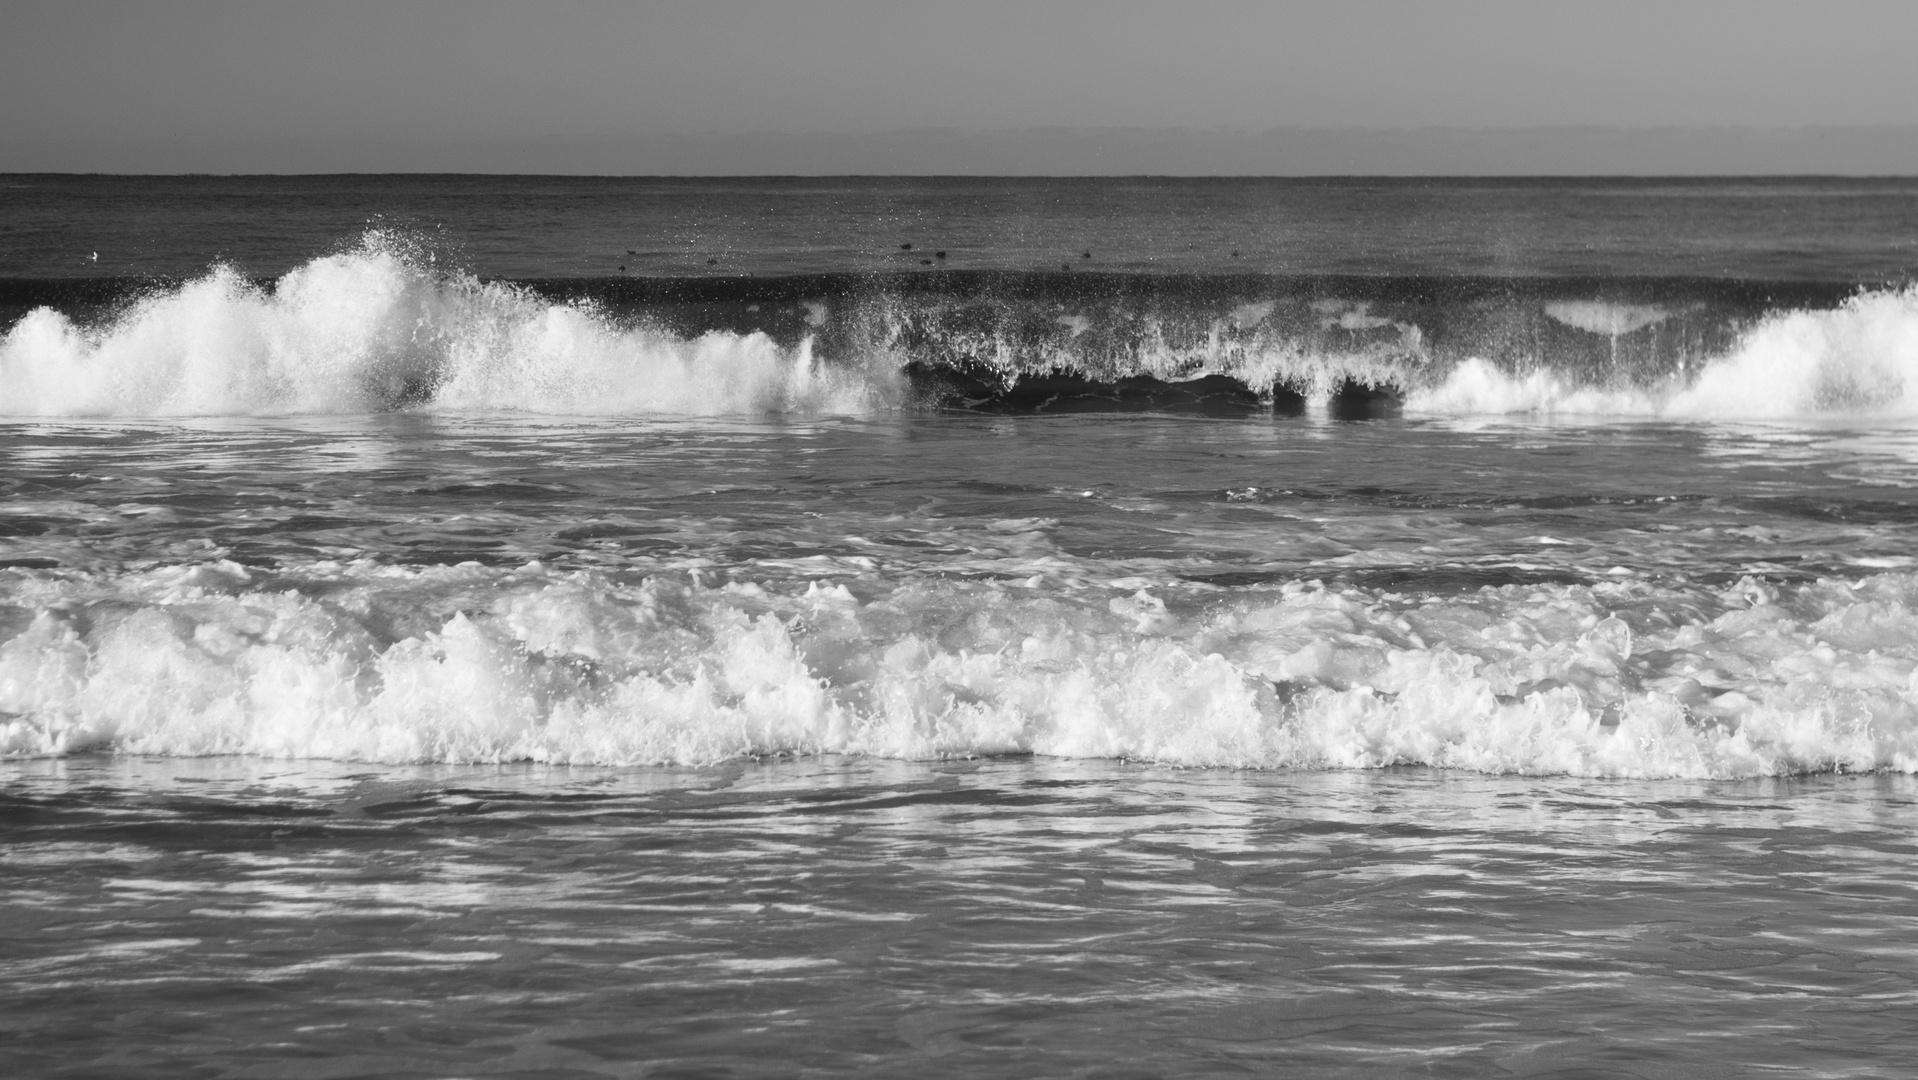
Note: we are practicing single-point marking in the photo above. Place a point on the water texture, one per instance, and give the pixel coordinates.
(463, 626)
(967, 919)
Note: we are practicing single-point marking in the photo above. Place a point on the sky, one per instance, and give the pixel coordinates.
(758, 86)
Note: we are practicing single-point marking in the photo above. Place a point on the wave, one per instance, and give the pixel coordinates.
(382, 327)
(472, 664)
(378, 329)
(1858, 359)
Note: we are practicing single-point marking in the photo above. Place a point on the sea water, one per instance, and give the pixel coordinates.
(467, 626)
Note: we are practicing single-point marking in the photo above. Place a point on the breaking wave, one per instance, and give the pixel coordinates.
(374, 329)
(379, 327)
(1858, 359)
(471, 664)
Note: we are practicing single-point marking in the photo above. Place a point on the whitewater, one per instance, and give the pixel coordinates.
(1552, 665)
(575, 669)
(382, 327)
(473, 626)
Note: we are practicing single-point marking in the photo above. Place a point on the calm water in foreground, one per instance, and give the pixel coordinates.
(1010, 917)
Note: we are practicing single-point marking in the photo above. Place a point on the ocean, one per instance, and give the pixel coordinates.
(522, 626)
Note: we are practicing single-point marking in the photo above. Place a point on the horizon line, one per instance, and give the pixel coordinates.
(1863, 150)
(1303, 177)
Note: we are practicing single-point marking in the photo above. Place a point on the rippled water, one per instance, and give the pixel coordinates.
(1091, 497)
(245, 918)
(1623, 599)
(557, 226)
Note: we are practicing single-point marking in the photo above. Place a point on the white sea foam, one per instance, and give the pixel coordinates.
(373, 329)
(474, 664)
(1477, 387)
(1859, 359)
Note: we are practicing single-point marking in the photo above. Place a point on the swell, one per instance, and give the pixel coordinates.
(378, 328)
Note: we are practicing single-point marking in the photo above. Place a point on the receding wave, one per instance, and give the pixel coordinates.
(380, 328)
(473, 664)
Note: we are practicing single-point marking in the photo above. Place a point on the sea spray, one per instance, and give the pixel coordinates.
(1859, 359)
(379, 327)
(375, 329)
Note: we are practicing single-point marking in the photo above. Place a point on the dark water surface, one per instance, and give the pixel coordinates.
(252, 919)
(1816, 228)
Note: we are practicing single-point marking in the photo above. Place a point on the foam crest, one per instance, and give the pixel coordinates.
(380, 327)
(377, 328)
(1477, 387)
(1858, 359)
(462, 664)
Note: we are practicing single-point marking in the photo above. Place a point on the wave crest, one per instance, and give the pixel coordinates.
(376, 329)
(379, 327)
(1859, 359)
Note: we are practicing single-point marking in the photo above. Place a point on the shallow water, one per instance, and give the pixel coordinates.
(1105, 496)
(228, 917)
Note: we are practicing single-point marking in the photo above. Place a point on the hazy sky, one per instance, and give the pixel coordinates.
(396, 84)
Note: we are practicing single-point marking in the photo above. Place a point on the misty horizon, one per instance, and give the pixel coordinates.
(1558, 150)
(857, 87)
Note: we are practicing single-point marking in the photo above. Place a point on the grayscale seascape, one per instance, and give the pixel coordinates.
(471, 626)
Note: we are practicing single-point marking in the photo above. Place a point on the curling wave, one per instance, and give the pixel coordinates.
(462, 664)
(381, 328)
